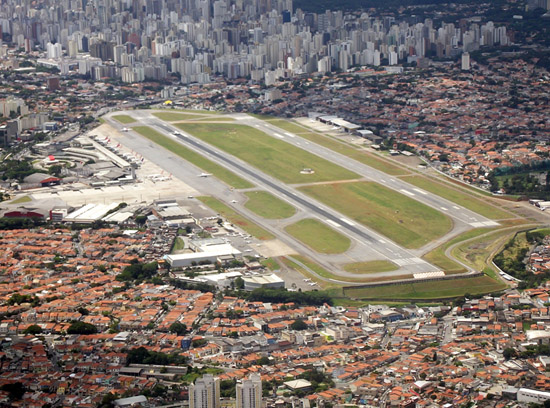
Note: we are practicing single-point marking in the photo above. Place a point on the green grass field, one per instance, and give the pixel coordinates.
(319, 270)
(236, 218)
(352, 152)
(437, 256)
(176, 117)
(428, 290)
(125, 119)
(197, 111)
(273, 156)
(270, 264)
(268, 206)
(179, 244)
(20, 200)
(207, 165)
(370, 267)
(319, 236)
(405, 221)
(459, 197)
(217, 119)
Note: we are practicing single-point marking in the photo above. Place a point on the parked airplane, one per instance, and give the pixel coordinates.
(204, 174)
(125, 129)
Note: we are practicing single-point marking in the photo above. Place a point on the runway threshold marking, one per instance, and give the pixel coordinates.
(333, 223)
(420, 191)
(347, 221)
(407, 192)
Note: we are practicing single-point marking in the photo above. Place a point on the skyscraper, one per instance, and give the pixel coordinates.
(465, 61)
(205, 393)
(249, 392)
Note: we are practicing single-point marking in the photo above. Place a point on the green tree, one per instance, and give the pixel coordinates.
(33, 329)
(15, 390)
(81, 328)
(178, 328)
(298, 324)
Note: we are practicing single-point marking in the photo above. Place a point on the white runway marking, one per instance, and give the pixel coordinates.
(347, 221)
(407, 192)
(420, 191)
(334, 224)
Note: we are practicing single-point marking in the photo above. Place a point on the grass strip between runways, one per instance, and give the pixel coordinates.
(192, 157)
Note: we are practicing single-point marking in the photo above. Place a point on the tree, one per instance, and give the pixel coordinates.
(239, 283)
(81, 328)
(178, 328)
(83, 311)
(198, 343)
(263, 361)
(55, 170)
(33, 329)
(15, 390)
(108, 401)
(508, 353)
(298, 324)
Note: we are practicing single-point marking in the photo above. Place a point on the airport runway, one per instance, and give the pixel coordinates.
(460, 215)
(369, 240)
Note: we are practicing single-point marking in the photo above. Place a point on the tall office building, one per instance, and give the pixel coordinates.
(205, 393)
(465, 61)
(249, 392)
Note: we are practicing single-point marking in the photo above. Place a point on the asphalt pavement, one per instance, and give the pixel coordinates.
(366, 241)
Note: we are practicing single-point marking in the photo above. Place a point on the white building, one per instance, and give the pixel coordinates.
(263, 281)
(465, 61)
(249, 392)
(536, 396)
(205, 393)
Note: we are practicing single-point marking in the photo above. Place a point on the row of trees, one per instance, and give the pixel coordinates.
(141, 355)
(137, 272)
(313, 298)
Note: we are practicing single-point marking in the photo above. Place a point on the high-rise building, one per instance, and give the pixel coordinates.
(205, 393)
(465, 61)
(249, 392)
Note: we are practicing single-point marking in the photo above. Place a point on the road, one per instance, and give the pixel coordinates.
(366, 240)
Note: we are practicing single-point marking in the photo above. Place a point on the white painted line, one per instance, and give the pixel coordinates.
(456, 208)
(257, 126)
(347, 221)
(333, 223)
(289, 134)
(444, 209)
(420, 191)
(381, 241)
(407, 192)
(279, 136)
(383, 181)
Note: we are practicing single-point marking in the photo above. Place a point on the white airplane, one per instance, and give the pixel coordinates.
(233, 201)
(125, 129)
(204, 174)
